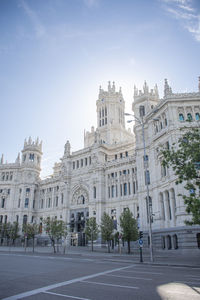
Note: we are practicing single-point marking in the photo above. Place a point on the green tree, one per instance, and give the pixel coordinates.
(185, 161)
(31, 230)
(56, 229)
(6, 231)
(107, 228)
(91, 230)
(129, 227)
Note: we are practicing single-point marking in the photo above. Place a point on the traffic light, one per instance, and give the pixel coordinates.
(141, 234)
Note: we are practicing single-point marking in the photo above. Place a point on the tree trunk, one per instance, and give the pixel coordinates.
(54, 247)
(129, 247)
(108, 246)
(92, 245)
(33, 244)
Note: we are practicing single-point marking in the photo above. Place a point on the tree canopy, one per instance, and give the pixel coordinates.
(185, 161)
(56, 229)
(107, 228)
(129, 227)
(91, 230)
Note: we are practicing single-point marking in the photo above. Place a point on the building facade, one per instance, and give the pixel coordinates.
(108, 174)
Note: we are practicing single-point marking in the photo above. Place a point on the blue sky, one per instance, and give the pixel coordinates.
(54, 54)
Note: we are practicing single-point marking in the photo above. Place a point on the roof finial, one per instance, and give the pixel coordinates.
(109, 86)
(113, 86)
(1, 159)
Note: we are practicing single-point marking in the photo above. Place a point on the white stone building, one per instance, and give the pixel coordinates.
(108, 173)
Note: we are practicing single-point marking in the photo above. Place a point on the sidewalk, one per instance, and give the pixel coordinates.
(164, 258)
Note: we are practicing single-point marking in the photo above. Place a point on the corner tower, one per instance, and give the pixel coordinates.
(144, 101)
(31, 156)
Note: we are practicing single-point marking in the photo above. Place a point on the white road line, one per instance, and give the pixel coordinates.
(128, 277)
(109, 284)
(66, 296)
(138, 272)
(57, 285)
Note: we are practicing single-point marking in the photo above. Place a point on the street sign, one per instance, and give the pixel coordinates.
(140, 242)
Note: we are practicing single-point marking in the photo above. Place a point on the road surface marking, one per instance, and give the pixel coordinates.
(66, 296)
(136, 271)
(128, 277)
(109, 284)
(57, 285)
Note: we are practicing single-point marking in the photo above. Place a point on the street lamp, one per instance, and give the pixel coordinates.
(149, 203)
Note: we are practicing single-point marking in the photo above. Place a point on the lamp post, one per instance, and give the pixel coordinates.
(149, 204)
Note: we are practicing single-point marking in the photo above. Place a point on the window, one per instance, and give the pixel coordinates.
(116, 190)
(77, 164)
(165, 122)
(181, 117)
(126, 153)
(142, 111)
(163, 242)
(26, 202)
(25, 218)
(33, 203)
(90, 160)
(121, 189)
(121, 155)
(189, 117)
(124, 172)
(24, 157)
(108, 192)
(27, 191)
(42, 203)
(1, 219)
(169, 242)
(125, 189)
(147, 177)
(86, 161)
(49, 202)
(115, 156)
(94, 192)
(197, 116)
(112, 191)
(31, 157)
(175, 241)
(17, 218)
(56, 200)
(62, 198)
(129, 188)
(81, 162)
(73, 165)
(105, 121)
(134, 189)
(3, 203)
(19, 201)
(102, 122)
(198, 240)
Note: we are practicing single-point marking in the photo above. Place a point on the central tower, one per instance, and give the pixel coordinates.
(110, 116)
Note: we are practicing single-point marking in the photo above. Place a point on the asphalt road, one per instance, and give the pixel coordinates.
(25, 276)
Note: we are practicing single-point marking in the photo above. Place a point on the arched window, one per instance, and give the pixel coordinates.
(197, 116)
(189, 117)
(181, 117)
(169, 242)
(175, 241)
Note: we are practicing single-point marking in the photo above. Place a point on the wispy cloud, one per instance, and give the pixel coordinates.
(32, 15)
(91, 3)
(185, 12)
